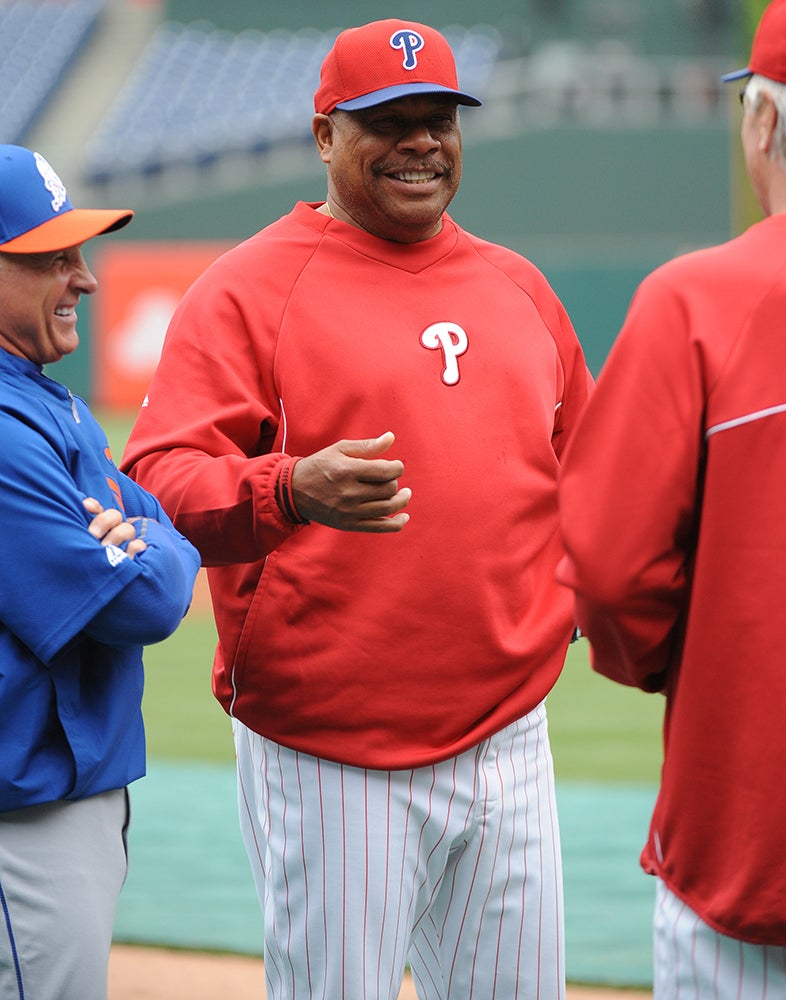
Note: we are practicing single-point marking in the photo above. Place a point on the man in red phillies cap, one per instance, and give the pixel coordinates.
(358, 419)
(672, 495)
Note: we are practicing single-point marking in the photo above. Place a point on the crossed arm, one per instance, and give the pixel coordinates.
(111, 528)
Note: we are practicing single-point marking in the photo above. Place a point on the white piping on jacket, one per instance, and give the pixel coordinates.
(747, 418)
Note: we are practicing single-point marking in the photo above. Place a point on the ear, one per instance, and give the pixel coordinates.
(322, 130)
(766, 121)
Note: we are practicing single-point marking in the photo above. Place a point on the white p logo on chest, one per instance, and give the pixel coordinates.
(451, 339)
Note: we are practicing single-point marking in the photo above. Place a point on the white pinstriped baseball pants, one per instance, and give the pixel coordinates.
(454, 867)
(693, 962)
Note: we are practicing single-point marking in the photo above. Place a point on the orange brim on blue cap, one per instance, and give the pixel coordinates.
(36, 215)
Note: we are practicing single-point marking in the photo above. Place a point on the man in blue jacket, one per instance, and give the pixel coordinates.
(91, 570)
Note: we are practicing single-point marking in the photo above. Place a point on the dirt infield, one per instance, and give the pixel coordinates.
(160, 974)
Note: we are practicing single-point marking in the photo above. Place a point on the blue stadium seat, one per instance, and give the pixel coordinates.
(38, 42)
(200, 93)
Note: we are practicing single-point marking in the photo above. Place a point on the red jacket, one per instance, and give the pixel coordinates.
(673, 503)
(386, 651)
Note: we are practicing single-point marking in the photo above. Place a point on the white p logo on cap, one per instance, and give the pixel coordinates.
(411, 42)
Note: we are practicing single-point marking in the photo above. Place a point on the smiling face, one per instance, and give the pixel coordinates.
(38, 297)
(393, 169)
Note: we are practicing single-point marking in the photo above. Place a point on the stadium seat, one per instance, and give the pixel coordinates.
(39, 41)
(200, 93)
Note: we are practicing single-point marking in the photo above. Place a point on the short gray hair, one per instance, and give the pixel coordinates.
(757, 86)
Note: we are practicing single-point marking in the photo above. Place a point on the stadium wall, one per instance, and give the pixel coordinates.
(671, 27)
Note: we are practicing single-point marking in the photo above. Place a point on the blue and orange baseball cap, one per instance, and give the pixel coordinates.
(768, 52)
(36, 215)
(385, 60)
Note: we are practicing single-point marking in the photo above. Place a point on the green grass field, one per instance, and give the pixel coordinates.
(600, 731)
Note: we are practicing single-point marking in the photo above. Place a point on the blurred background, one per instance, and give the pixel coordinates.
(606, 143)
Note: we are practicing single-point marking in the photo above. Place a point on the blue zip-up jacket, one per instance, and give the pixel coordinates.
(74, 614)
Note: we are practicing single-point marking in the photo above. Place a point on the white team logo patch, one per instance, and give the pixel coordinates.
(451, 339)
(114, 555)
(52, 182)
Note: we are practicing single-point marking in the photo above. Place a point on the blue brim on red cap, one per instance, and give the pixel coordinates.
(738, 74)
(405, 90)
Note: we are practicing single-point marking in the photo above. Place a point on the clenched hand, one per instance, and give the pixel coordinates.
(350, 487)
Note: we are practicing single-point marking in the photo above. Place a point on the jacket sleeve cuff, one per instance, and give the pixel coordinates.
(283, 492)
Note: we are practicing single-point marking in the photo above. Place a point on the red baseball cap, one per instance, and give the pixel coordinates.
(385, 60)
(768, 53)
(36, 215)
